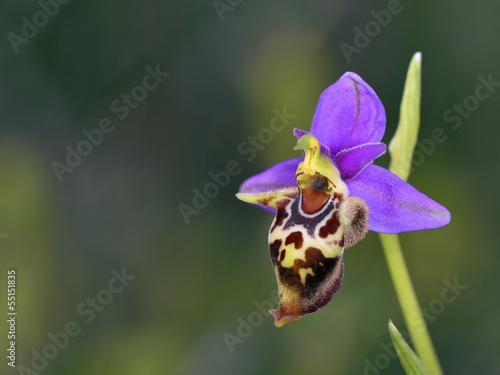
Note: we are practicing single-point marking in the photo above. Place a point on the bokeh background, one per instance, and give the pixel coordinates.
(196, 282)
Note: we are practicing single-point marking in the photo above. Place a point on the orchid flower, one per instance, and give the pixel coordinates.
(328, 200)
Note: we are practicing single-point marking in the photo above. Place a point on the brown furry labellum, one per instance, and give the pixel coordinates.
(313, 225)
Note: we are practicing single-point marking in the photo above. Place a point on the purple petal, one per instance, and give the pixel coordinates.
(352, 161)
(348, 114)
(396, 206)
(281, 175)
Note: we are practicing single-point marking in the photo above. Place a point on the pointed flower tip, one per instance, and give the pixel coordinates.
(280, 320)
(441, 216)
(242, 196)
(445, 216)
(352, 76)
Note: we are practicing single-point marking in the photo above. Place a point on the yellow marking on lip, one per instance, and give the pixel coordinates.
(326, 246)
(290, 255)
(304, 272)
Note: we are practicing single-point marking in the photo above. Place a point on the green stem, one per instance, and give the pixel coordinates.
(409, 303)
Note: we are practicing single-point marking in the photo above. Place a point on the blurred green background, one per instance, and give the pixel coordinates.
(196, 282)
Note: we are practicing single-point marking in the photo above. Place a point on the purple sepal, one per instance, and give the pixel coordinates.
(348, 114)
(396, 206)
